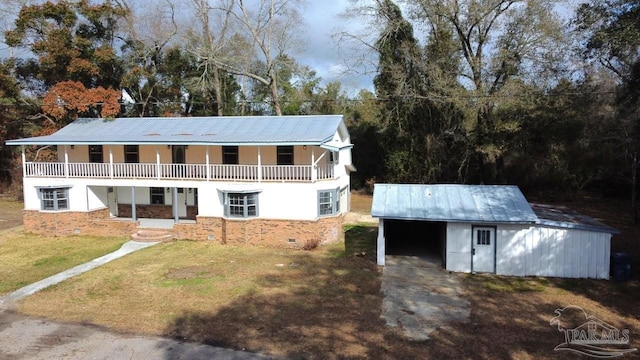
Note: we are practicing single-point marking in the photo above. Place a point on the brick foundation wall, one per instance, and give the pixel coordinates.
(65, 223)
(260, 232)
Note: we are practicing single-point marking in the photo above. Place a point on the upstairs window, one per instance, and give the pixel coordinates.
(54, 199)
(242, 205)
(285, 155)
(230, 155)
(131, 154)
(95, 154)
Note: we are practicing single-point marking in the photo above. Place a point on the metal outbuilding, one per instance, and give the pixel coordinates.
(489, 228)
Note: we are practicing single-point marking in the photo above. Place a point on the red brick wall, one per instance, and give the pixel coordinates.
(65, 223)
(262, 232)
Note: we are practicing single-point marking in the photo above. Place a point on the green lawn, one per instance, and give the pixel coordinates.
(27, 258)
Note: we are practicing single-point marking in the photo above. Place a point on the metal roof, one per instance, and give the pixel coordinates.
(560, 216)
(452, 203)
(223, 130)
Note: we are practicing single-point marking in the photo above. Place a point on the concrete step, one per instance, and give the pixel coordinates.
(152, 235)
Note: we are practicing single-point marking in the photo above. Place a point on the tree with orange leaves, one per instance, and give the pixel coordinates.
(68, 100)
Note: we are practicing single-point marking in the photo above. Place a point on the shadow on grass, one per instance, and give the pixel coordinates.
(328, 306)
(324, 306)
(621, 297)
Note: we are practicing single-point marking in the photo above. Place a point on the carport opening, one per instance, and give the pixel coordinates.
(416, 238)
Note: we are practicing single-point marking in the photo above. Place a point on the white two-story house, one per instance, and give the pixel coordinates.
(273, 180)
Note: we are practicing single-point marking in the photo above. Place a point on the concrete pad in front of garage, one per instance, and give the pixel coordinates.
(420, 296)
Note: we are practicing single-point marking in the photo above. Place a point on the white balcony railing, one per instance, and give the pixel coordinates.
(285, 173)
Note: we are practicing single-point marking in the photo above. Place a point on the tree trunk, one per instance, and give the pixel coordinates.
(217, 88)
(273, 86)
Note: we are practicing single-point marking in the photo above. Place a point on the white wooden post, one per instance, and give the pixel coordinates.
(176, 212)
(259, 164)
(111, 162)
(133, 203)
(314, 167)
(206, 159)
(381, 249)
(158, 162)
(66, 162)
(24, 162)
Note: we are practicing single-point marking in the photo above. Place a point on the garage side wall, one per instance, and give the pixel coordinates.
(458, 251)
(555, 252)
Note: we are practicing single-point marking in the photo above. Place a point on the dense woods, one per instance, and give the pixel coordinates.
(543, 94)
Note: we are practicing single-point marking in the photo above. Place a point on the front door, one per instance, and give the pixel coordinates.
(112, 201)
(182, 203)
(483, 249)
(177, 154)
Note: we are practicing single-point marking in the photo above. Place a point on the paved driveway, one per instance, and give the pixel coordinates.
(420, 296)
(23, 338)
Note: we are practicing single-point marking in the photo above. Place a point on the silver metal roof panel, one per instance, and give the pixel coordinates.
(452, 203)
(223, 130)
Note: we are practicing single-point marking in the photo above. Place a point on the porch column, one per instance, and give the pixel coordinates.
(176, 211)
(259, 164)
(314, 167)
(134, 217)
(111, 162)
(381, 240)
(24, 162)
(158, 161)
(206, 161)
(66, 162)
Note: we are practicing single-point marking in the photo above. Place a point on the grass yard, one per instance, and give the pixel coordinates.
(326, 303)
(26, 258)
(10, 212)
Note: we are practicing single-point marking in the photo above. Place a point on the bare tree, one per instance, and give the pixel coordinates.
(264, 32)
(210, 42)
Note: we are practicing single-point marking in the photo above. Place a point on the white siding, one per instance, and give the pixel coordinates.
(536, 251)
(295, 201)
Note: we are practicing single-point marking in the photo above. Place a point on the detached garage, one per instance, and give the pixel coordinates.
(489, 228)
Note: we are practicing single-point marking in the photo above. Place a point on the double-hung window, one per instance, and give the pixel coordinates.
(157, 195)
(95, 154)
(328, 202)
(54, 199)
(243, 205)
(230, 155)
(284, 155)
(131, 154)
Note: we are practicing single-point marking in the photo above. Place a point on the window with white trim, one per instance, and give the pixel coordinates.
(242, 205)
(157, 195)
(328, 202)
(54, 199)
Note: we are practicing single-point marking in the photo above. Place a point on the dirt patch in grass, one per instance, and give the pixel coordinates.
(361, 203)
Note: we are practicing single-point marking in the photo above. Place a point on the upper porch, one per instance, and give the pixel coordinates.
(180, 162)
(244, 148)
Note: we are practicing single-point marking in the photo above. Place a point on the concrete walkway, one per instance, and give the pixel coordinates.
(420, 296)
(8, 301)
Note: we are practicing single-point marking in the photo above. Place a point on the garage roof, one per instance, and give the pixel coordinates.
(452, 203)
